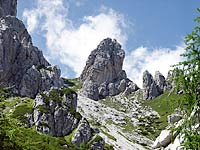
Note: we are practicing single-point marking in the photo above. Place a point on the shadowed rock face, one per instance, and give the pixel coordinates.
(52, 115)
(22, 65)
(103, 74)
(8, 7)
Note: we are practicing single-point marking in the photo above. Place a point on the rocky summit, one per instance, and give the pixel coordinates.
(22, 65)
(103, 75)
(154, 87)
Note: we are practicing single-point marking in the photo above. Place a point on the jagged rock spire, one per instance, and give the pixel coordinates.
(154, 87)
(103, 74)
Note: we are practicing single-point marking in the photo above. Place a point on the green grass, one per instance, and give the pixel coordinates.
(95, 139)
(73, 84)
(57, 94)
(12, 102)
(68, 140)
(109, 136)
(6, 93)
(113, 103)
(44, 67)
(108, 147)
(129, 126)
(165, 105)
(77, 115)
(25, 107)
(15, 137)
(109, 121)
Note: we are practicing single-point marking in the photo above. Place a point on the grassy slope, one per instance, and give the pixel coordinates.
(165, 105)
(14, 136)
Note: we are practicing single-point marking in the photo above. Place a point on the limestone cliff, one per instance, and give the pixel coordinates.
(103, 75)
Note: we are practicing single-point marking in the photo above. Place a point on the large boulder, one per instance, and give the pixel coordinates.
(174, 117)
(163, 139)
(54, 112)
(103, 75)
(22, 65)
(83, 133)
(8, 7)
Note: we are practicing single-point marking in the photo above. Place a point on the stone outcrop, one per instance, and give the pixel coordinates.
(174, 117)
(54, 112)
(103, 75)
(163, 139)
(22, 65)
(154, 87)
(99, 144)
(8, 7)
(83, 133)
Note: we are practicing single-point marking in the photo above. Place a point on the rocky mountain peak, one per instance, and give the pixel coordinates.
(160, 81)
(154, 87)
(103, 74)
(8, 7)
(147, 79)
(22, 65)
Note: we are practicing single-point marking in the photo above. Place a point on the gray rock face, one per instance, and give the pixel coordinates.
(163, 139)
(97, 145)
(55, 112)
(149, 85)
(22, 65)
(103, 74)
(160, 81)
(8, 7)
(169, 83)
(173, 118)
(83, 133)
(154, 87)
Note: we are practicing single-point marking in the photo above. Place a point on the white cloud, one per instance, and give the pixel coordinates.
(79, 3)
(72, 45)
(32, 21)
(142, 58)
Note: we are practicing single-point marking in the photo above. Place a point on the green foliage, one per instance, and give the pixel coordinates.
(113, 103)
(25, 107)
(83, 146)
(76, 114)
(192, 141)
(73, 84)
(96, 138)
(108, 147)
(6, 93)
(42, 109)
(109, 135)
(15, 137)
(128, 127)
(57, 94)
(68, 140)
(44, 67)
(187, 75)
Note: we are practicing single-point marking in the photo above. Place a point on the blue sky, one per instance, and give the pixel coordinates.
(151, 32)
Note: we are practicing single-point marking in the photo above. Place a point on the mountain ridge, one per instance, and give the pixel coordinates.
(101, 110)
